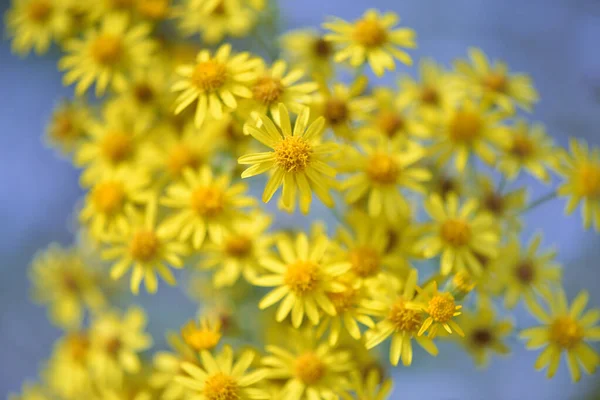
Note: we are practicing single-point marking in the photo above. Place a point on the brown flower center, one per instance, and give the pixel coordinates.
(456, 232)
(39, 10)
(336, 111)
(322, 48)
(267, 90)
(365, 261)
(482, 337)
(430, 96)
(522, 147)
(525, 272)
(383, 169)
(495, 82)
(144, 246)
(309, 368)
(116, 146)
(390, 122)
(238, 246)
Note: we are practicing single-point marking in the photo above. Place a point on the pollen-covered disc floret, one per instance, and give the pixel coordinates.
(293, 154)
(309, 368)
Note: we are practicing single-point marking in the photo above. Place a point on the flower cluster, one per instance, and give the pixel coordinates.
(420, 180)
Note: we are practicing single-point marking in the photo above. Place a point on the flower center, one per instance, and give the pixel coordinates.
(463, 282)
(238, 246)
(78, 345)
(113, 345)
(208, 201)
(153, 9)
(199, 338)
(108, 197)
(404, 319)
(144, 246)
(293, 154)
(116, 146)
(369, 33)
(456, 232)
(525, 272)
(390, 123)
(221, 387)
(589, 180)
(365, 261)
(494, 202)
(383, 169)
(107, 49)
(180, 157)
(495, 82)
(482, 337)
(446, 185)
(64, 128)
(143, 93)
(441, 307)
(302, 276)
(209, 75)
(322, 48)
(430, 96)
(267, 90)
(465, 126)
(309, 368)
(343, 301)
(522, 147)
(336, 111)
(566, 332)
(120, 4)
(39, 11)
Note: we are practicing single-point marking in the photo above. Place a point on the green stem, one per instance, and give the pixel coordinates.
(544, 199)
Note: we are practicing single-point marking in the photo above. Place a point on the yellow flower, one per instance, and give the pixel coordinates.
(115, 343)
(459, 234)
(203, 336)
(308, 50)
(581, 173)
(506, 206)
(469, 128)
(484, 333)
(441, 308)
(303, 277)
(379, 171)
(298, 160)
(373, 39)
(239, 251)
(64, 281)
(523, 272)
(106, 55)
(215, 81)
(528, 149)
(398, 320)
(111, 198)
(31, 391)
(565, 330)
(33, 24)
(311, 370)
(144, 247)
(206, 205)
(70, 357)
(371, 386)
(493, 82)
(68, 126)
(153, 10)
(220, 378)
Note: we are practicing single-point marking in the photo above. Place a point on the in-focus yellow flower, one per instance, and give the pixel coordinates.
(441, 308)
(146, 248)
(64, 281)
(216, 81)
(505, 206)
(106, 55)
(470, 128)
(581, 173)
(220, 378)
(299, 160)
(564, 330)
(484, 333)
(311, 370)
(308, 50)
(524, 272)
(70, 357)
(112, 198)
(68, 126)
(206, 205)
(379, 171)
(371, 386)
(372, 38)
(529, 149)
(398, 320)
(458, 234)
(302, 276)
(34, 24)
(203, 336)
(493, 82)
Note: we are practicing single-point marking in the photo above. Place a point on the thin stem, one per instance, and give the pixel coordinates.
(544, 199)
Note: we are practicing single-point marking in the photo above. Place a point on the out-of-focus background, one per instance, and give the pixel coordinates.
(555, 41)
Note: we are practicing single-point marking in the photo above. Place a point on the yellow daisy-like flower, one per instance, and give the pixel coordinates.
(299, 160)
(146, 248)
(273, 87)
(529, 149)
(310, 51)
(581, 173)
(379, 172)
(441, 308)
(219, 378)
(469, 128)
(371, 386)
(400, 321)
(70, 357)
(564, 330)
(203, 336)
(311, 370)
(153, 10)
(64, 282)
(106, 55)
(373, 39)
(68, 126)
(216, 81)
(523, 272)
(115, 344)
(206, 206)
(459, 234)
(493, 82)
(505, 206)
(303, 277)
(484, 334)
(239, 251)
(34, 24)
(112, 198)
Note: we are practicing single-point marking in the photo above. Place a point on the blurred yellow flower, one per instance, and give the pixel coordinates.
(309, 50)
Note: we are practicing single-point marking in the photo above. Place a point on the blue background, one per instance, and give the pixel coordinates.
(556, 41)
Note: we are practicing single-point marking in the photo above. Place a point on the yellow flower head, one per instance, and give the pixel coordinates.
(70, 357)
(310, 51)
(441, 308)
(203, 336)
(371, 386)
(68, 126)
